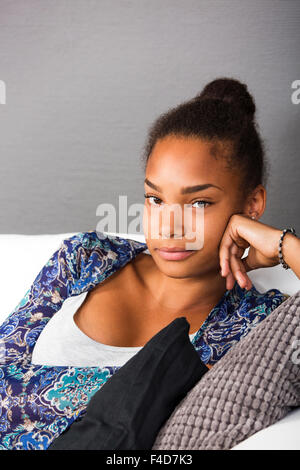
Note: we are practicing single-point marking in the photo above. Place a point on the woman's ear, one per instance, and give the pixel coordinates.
(256, 202)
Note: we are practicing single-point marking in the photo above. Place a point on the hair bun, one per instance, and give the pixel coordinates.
(231, 91)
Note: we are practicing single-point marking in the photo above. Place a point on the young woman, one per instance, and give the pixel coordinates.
(206, 153)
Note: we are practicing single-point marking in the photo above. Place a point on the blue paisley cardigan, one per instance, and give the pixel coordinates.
(39, 402)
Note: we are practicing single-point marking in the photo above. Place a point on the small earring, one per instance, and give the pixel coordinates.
(253, 217)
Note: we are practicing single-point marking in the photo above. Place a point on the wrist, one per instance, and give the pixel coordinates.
(290, 245)
(276, 241)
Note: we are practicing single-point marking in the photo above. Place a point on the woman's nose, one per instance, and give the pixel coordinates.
(172, 222)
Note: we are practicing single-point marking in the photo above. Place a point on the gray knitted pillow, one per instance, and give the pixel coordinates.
(254, 385)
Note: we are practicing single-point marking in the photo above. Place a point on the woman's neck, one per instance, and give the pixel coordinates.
(185, 294)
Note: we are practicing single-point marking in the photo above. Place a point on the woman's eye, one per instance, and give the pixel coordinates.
(152, 197)
(157, 200)
(202, 202)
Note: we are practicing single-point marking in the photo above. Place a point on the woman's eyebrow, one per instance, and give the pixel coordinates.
(185, 190)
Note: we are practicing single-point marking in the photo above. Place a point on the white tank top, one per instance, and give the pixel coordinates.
(62, 343)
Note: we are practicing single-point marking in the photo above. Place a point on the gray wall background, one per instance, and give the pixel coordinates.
(86, 78)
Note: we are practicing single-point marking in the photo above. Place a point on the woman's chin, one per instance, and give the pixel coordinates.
(177, 269)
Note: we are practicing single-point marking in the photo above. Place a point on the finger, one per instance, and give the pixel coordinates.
(246, 265)
(233, 249)
(225, 268)
(239, 272)
(230, 281)
(243, 271)
(224, 256)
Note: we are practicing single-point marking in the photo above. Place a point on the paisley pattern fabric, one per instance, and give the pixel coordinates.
(39, 402)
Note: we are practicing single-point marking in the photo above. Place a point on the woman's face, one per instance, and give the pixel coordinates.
(176, 163)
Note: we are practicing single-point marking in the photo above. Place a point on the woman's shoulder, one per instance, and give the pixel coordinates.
(94, 240)
(256, 303)
(92, 256)
(274, 295)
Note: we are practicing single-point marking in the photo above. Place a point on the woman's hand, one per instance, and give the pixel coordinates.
(243, 232)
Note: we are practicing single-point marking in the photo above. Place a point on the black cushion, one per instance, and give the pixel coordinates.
(127, 412)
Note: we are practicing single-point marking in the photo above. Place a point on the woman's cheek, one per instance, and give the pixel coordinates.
(213, 233)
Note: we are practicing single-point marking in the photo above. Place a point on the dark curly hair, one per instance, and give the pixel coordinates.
(222, 114)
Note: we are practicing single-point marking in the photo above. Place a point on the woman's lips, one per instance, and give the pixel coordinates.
(174, 255)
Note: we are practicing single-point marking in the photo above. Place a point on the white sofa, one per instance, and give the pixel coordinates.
(23, 256)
